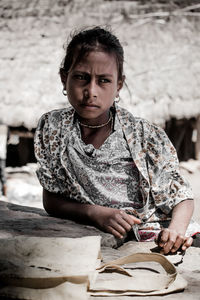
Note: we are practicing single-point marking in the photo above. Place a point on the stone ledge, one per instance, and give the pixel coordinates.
(23, 220)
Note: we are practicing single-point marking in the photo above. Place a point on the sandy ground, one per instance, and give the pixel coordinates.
(23, 187)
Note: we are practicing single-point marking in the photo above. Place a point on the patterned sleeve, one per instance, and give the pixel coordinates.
(168, 187)
(45, 171)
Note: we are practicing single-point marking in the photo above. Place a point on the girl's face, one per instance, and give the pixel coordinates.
(92, 86)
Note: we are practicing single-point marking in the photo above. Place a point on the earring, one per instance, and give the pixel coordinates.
(64, 92)
(118, 99)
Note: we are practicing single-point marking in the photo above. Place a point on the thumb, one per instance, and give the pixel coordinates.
(136, 220)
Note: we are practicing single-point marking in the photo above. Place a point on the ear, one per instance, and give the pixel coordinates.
(63, 76)
(120, 84)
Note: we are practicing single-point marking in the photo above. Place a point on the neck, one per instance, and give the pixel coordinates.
(82, 124)
(96, 136)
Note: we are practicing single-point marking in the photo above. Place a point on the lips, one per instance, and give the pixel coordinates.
(89, 106)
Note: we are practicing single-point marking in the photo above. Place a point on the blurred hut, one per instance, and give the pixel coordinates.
(161, 41)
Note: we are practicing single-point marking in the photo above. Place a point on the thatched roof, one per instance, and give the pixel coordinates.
(161, 43)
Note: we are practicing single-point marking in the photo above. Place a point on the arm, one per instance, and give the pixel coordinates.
(171, 192)
(111, 220)
(172, 238)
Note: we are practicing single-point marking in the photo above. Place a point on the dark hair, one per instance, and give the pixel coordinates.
(85, 41)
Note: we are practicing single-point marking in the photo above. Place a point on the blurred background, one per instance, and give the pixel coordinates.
(161, 40)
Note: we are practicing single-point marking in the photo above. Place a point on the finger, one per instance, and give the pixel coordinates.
(122, 222)
(126, 221)
(157, 239)
(163, 237)
(170, 243)
(179, 241)
(134, 219)
(188, 242)
(118, 227)
(114, 232)
(130, 218)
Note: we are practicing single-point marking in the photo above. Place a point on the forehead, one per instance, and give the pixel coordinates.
(100, 61)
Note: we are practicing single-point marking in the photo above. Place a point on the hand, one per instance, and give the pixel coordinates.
(114, 221)
(170, 241)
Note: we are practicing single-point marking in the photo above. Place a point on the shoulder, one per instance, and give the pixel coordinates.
(128, 119)
(142, 131)
(55, 118)
(50, 130)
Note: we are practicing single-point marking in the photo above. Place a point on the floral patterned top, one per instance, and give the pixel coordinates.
(108, 175)
(160, 183)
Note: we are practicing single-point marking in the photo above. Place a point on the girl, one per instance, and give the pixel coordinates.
(100, 165)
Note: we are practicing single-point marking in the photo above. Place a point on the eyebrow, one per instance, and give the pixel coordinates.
(105, 75)
(99, 75)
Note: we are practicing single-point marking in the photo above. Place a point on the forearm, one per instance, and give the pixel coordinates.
(58, 205)
(107, 219)
(173, 238)
(181, 216)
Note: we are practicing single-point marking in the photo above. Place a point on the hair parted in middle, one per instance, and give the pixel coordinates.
(93, 39)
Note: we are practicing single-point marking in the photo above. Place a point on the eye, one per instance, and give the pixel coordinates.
(104, 80)
(79, 77)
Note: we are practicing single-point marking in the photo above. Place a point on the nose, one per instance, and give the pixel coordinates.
(90, 90)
